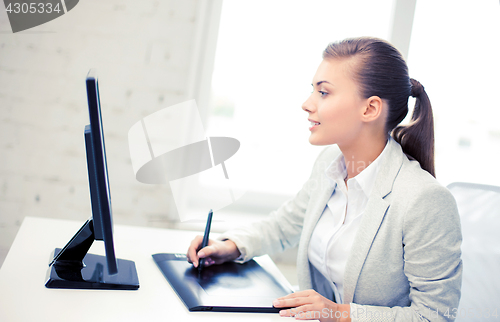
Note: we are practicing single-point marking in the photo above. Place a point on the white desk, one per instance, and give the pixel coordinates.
(24, 297)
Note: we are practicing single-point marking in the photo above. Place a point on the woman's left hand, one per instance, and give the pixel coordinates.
(310, 305)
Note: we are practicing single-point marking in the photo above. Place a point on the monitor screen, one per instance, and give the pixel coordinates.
(101, 212)
(72, 266)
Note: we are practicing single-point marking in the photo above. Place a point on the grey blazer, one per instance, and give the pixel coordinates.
(405, 261)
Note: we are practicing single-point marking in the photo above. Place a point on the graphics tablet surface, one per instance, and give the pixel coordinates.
(230, 287)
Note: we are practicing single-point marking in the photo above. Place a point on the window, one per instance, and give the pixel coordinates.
(454, 54)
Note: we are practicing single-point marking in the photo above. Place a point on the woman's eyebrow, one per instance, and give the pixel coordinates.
(320, 82)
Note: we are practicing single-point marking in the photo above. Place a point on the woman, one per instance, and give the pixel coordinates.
(379, 238)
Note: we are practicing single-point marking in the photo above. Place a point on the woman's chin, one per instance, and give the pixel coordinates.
(316, 141)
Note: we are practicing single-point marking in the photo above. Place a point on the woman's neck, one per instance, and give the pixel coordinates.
(360, 155)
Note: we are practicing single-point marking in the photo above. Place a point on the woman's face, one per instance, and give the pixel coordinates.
(335, 107)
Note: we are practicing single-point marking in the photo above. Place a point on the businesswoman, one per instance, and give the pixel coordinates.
(379, 238)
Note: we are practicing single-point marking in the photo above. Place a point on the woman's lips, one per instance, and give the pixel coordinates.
(314, 125)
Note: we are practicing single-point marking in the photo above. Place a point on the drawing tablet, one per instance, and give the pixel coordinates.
(230, 287)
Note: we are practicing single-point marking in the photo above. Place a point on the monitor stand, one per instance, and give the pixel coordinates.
(72, 267)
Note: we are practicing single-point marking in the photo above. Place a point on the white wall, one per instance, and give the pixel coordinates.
(143, 53)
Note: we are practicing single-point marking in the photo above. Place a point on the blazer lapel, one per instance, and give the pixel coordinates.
(319, 205)
(372, 218)
(373, 215)
(321, 197)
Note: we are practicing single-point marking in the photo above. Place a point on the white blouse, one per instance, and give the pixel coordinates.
(332, 238)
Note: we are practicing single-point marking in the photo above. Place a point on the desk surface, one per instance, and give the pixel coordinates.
(23, 296)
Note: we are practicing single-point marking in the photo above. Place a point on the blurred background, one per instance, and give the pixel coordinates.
(249, 66)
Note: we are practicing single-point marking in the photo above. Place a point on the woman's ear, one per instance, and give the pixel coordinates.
(373, 109)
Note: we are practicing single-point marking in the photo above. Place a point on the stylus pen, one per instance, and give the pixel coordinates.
(205, 238)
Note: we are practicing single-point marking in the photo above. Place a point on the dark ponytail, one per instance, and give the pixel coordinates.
(417, 138)
(380, 70)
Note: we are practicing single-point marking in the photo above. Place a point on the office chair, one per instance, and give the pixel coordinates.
(479, 209)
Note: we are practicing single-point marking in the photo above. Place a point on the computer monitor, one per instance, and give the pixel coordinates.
(73, 267)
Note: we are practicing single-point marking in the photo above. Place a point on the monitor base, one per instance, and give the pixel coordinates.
(94, 275)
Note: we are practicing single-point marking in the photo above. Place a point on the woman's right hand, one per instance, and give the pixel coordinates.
(217, 252)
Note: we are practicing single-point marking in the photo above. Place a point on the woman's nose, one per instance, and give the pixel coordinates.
(307, 105)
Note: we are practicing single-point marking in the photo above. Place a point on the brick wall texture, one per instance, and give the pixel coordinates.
(142, 51)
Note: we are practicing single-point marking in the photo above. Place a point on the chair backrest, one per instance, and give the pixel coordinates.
(479, 209)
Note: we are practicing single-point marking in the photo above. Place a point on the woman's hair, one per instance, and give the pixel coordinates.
(380, 70)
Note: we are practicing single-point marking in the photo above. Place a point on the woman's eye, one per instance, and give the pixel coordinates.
(323, 94)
